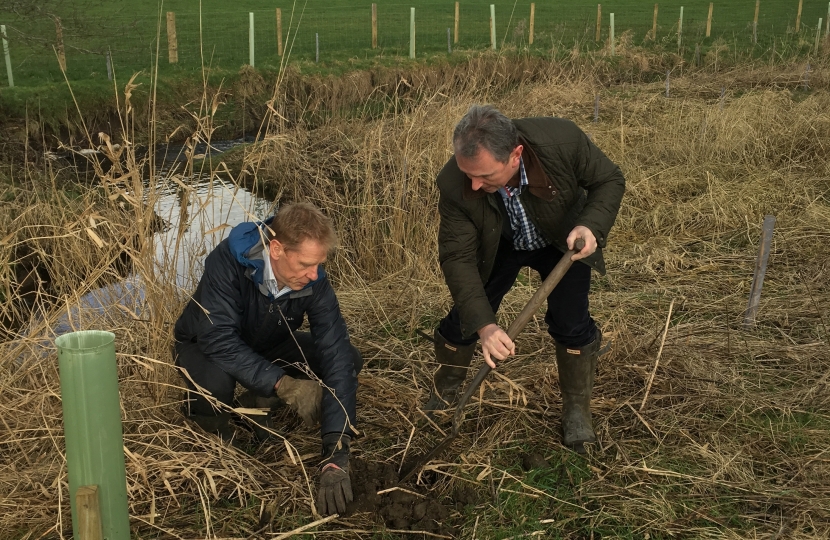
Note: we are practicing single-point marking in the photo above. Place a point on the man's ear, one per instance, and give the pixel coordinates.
(516, 155)
(275, 249)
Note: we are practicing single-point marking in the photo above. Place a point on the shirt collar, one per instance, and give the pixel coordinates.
(270, 280)
(508, 191)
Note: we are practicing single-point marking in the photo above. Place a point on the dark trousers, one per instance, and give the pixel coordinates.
(222, 385)
(568, 319)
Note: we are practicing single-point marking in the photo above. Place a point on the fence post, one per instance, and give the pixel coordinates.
(412, 32)
(6, 54)
(251, 38)
(611, 37)
(654, 24)
(279, 32)
(316, 47)
(172, 42)
(532, 23)
(599, 23)
(374, 26)
(109, 65)
(493, 26)
(798, 16)
(449, 41)
(457, 13)
(755, 23)
(680, 29)
(59, 40)
(709, 20)
(818, 34)
(760, 270)
(827, 22)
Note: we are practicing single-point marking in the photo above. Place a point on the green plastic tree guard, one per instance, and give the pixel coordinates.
(92, 426)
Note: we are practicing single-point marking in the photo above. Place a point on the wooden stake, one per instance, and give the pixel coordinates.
(6, 54)
(317, 47)
(680, 29)
(709, 20)
(798, 16)
(599, 23)
(818, 35)
(654, 24)
(455, 35)
(374, 26)
(279, 32)
(532, 23)
(449, 42)
(88, 512)
(659, 354)
(760, 270)
(109, 65)
(755, 23)
(172, 42)
(59, 43)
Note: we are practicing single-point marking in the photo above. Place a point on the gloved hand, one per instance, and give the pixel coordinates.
(334, 487)
(303, 396)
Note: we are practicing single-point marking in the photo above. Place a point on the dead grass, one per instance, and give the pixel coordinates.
(731, 442)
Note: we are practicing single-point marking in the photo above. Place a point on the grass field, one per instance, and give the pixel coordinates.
(91, 28)
(730, 443)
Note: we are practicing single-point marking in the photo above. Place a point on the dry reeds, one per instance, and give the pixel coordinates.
(731, 443)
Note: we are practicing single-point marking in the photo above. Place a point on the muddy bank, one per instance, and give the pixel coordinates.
(235, 104)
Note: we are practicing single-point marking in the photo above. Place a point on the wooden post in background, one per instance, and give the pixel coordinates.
(532, 23)
(599, 22)
(279, 32)
(755, 22)
(798, 16)
(760, 270)
(59, 43)
(709, 19)
(172, 42)
(90, 526)
(374, 26)
(654, 24)
(109, 65)
(680, 29)
(818, 35)
(827, 22)
(455, 35)
(6, 54)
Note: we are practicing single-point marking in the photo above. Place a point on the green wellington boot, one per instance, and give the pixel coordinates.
(454, 360)
(576, 382)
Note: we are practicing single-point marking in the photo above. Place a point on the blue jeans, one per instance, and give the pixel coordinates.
(567, 317)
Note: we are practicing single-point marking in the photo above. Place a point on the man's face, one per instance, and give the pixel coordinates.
(486, 172)
(298, 266)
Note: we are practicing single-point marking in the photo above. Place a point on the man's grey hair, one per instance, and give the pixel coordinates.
(484, 126)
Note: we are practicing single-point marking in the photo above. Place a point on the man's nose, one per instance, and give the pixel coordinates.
(477, 184)
(312, 273)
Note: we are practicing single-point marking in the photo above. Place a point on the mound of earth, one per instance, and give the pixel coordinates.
(401, 508)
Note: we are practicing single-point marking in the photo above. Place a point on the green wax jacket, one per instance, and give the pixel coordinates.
(570, 182)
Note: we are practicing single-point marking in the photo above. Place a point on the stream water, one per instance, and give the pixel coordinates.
(214, 206)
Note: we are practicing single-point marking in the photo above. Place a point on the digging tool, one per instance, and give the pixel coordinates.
(513, 331)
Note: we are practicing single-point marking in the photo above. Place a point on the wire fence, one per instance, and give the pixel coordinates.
(94, 46)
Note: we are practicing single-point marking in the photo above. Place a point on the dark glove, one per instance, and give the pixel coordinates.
(334, 487)
(303, 396)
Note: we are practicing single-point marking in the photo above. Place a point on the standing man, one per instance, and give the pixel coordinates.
(519, 193)
(241, 326)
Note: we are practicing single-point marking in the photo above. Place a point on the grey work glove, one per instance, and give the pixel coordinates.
(334, 487)
(303, 396)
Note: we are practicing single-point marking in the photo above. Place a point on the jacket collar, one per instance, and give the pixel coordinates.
(537, 181)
